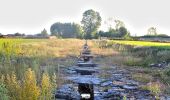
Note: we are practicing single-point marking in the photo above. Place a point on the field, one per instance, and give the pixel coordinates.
(31, 65)
(38, 60)
(31, 58)
(144, 43)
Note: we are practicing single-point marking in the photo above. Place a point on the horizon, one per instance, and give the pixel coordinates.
(31, 17)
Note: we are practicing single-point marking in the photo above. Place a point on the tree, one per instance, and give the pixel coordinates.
(91, 22)
(46, 87)
(122, 31)
(113, 32)
(152, 31)
(66, 30)
(119, 24)
(78, 30)
(119, 31)
(44, 32)
(30, 89)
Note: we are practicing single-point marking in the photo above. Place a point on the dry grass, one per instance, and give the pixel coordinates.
(155, 88)
(49, 53)
(142, 77)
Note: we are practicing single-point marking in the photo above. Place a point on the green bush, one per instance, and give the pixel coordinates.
(168, 72)
(3, 92)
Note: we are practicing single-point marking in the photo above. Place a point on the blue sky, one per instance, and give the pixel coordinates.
(31, 16)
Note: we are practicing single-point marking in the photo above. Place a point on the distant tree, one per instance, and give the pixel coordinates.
(19, 34)
(119, 31)
(113, 32)
(101, 33)
(91, 22)
(66, 30)
(119, 24)
(44, 32)
(162, 35)
(122, 31)
(152, 31)
(78, 30)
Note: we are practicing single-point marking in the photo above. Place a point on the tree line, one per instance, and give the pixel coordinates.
(66, 30)
(89, 28)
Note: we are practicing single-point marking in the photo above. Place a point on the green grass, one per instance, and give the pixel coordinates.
(143, 43)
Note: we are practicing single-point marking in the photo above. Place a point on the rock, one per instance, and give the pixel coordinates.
(168, 98)
(106, 83)
(132, 82)
(117, 76)
(85, 70)
(89, 79)
(159, 65)
(71, 72)
(86, 64)
(164, 97)
(67, 92)
(142, 95)
(112, 95)
(118, 83)
(114, 88)
(130, 87)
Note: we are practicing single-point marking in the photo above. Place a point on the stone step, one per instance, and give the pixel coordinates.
(86, 79)
(87, 55)
(84, 64)
(85, 70)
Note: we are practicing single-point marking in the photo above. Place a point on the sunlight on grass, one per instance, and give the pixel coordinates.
(143, 43)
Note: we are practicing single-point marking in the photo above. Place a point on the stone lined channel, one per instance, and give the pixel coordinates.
(86, 82)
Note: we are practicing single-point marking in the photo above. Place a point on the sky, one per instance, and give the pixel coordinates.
(32, 16)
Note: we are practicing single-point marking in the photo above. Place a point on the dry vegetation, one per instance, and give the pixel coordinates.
(136, 58)
(19, 57)
(38, 60)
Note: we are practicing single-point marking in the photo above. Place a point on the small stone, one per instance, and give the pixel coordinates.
(106, 83)
(130, 87)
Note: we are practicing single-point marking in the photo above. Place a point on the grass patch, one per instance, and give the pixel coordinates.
(142, 77)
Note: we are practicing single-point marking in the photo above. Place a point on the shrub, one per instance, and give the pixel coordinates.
(164, 55)
(3, 92)
(13, 86)
(155, 88)
(168, 72)
(30, 89)
(46, 87)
